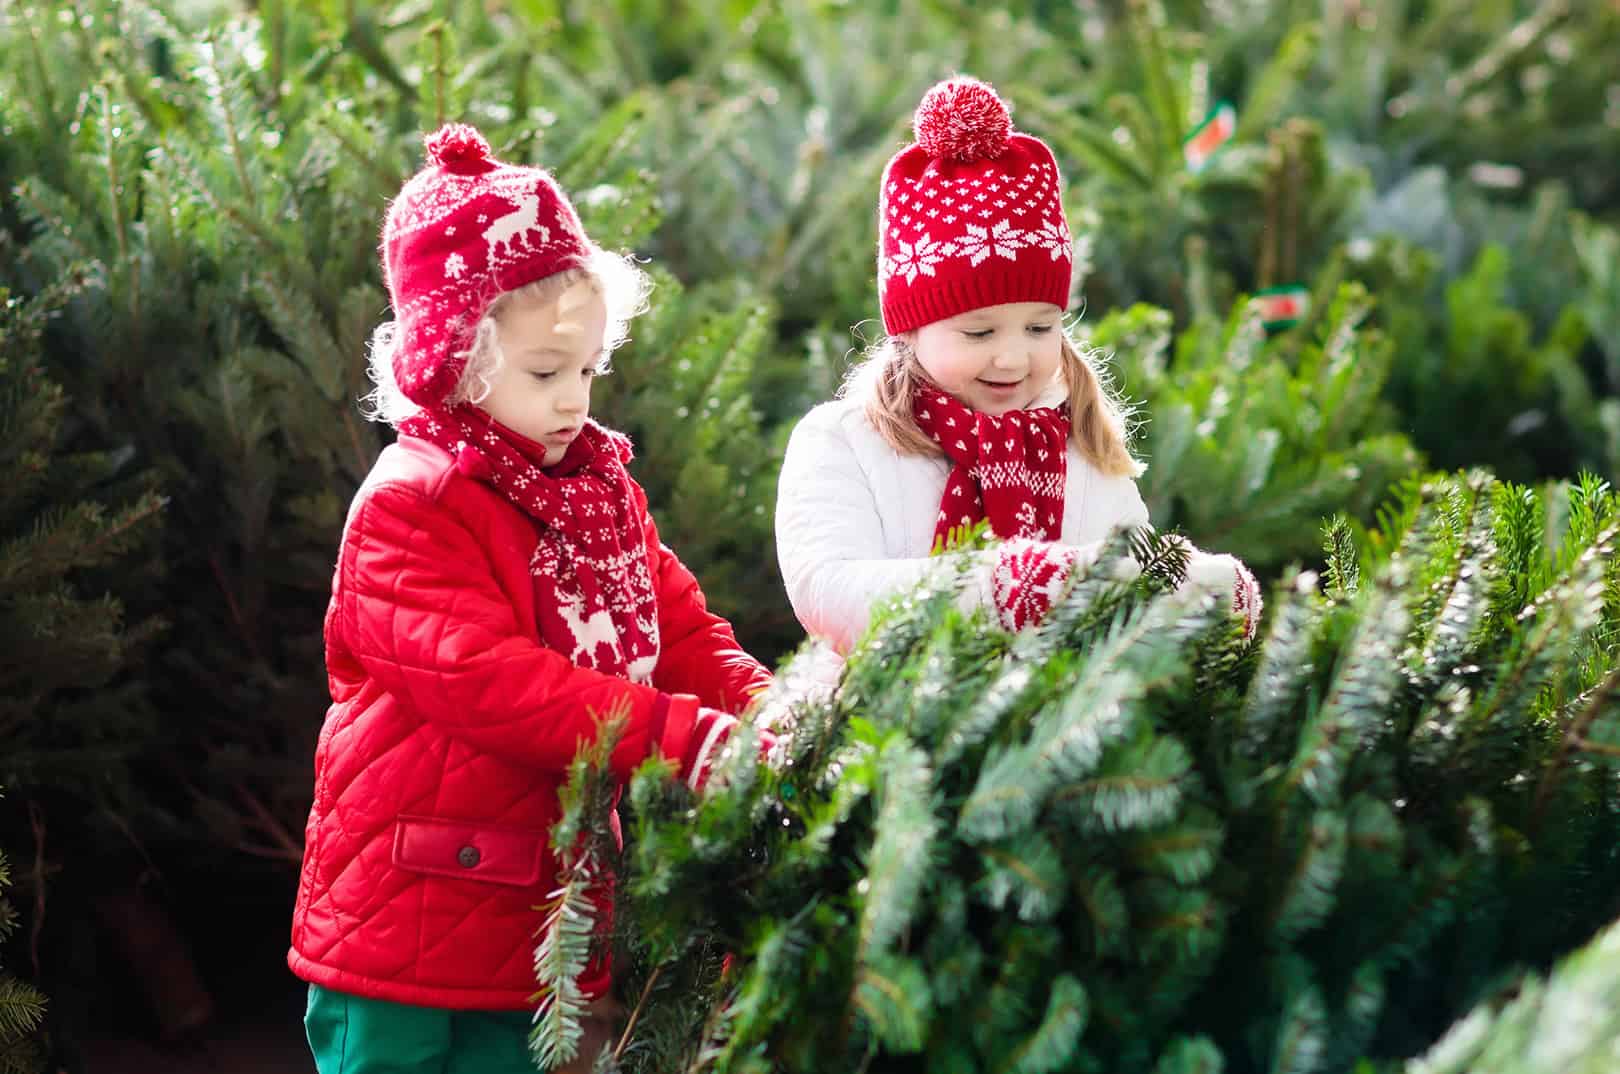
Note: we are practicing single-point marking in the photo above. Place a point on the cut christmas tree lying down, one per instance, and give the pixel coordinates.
(1126, 841)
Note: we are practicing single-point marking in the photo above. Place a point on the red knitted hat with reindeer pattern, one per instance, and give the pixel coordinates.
(463, 230)
(970, 215)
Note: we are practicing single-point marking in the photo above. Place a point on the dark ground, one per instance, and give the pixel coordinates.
(233, 922)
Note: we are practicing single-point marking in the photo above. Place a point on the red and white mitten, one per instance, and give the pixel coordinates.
(709, 736)
(1027, 579)
(1227, 574)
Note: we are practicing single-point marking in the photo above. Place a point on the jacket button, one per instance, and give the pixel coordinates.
(468, 857)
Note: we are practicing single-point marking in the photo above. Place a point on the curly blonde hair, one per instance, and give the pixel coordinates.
(624, 288)
(890, 374)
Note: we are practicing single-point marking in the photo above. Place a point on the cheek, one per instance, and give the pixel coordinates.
(950, 366)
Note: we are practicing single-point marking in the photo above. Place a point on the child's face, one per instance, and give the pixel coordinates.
(994, 359)
(551, 349)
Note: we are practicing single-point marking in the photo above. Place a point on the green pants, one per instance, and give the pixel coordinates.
(353, 1035)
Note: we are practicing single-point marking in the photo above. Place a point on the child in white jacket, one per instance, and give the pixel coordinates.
(976, 406)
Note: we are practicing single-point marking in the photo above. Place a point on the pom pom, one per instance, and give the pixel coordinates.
(962, 119)
(457, 144)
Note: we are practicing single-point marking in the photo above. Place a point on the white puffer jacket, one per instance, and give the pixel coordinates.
(855, 519)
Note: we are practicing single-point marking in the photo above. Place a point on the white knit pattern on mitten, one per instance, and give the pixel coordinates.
(1028, 578)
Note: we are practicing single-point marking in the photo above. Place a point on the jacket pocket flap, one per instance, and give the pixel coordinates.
(469, 851)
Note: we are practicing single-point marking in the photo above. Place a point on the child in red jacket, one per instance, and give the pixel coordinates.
(500, 587)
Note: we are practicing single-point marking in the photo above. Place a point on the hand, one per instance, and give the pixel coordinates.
(709, 735)
(1028, 578)
(1227, 574)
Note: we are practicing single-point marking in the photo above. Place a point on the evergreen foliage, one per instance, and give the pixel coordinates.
(1126, 841)
(1249, 441)
(69, 522)
(22, 1008)
(1565, 1022)
(72, 718)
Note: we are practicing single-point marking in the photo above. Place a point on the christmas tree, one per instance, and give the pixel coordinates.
(1126, 841)
(72, 718)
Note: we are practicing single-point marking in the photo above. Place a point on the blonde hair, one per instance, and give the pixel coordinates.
(620, 282)
(1099, 421)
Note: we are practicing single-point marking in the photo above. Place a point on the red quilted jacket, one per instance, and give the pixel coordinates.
(437, 769)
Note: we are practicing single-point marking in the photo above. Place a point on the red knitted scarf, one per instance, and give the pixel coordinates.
(1009, 468)
(594, 595)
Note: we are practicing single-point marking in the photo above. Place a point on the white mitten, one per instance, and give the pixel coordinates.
(1227, 574)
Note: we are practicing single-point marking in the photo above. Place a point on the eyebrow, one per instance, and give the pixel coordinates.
(557, 352)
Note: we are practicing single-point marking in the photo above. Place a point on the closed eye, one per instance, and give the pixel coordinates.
(539, 375)
(1040, 329)
(982, 333)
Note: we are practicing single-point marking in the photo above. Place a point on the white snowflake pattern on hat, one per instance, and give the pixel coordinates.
(1053, 236)
(1003, 240)
(912, 258)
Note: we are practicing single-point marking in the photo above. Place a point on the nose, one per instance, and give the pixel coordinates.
(575, 399)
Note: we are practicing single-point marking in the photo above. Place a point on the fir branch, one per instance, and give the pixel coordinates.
(1068, 736)
(893, 998)
(1027, 868)
(899, 860)
(1357, 1020)
(1310, 887)
(759, 1000)
(1136, 786)
(1284, 671)
(22, 1009)
(1178, 928)
(1067, 740)
(1554, 623)
(1142, 18)
(220, 95)
(1460, 599)
(1011, 689)
(1364, 684)
(1343, 562)
(1098, 893)
(1186, 850)
(1301, 1041)
(560, 960)
(1052, 1046)
(1163, 557)
(1190, 1055)
(1597, 704)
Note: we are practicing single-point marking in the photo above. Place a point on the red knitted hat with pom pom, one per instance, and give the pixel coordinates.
(970, 215)
(464, 229)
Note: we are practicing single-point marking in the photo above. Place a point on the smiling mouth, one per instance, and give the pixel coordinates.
(1001, 383)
